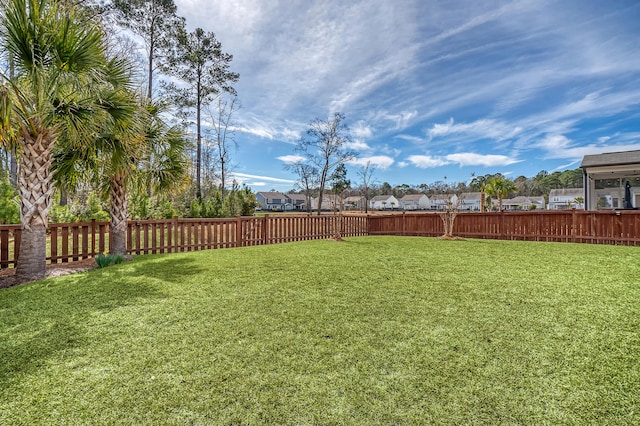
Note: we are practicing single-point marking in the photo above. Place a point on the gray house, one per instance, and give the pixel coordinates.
(272, 201)
(355, 202)
(298, 202)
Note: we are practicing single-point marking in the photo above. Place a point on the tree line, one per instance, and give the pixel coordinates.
(539, 185)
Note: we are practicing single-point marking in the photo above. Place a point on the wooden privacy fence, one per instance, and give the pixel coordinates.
(595, 227)
(70, 242)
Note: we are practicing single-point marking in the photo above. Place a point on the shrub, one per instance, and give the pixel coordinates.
(106, 259)
(9, 202)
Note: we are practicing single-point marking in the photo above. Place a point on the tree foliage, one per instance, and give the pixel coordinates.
(204, 70)
(157, 23)
(60, 68)
(325, 147)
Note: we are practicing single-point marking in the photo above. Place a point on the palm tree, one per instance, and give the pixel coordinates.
(58, 59)
(499, 187)
(164, 165)
(480, 182)
(132, 133)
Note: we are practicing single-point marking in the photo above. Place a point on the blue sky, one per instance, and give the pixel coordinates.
(431, 88)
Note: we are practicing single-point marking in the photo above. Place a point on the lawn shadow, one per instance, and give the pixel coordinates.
(171, 268)
(48, 319)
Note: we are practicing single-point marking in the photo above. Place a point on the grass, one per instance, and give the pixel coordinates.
(375, 330)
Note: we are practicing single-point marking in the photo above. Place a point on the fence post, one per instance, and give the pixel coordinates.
(265, 229)
(238, 231)
(176, 242)
(93, 238)
(404, 224)
(573, 225)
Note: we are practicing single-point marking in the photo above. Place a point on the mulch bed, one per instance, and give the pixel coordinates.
(54, 270)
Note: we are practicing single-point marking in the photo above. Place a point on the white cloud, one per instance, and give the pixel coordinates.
(403, 164)
(403, 119)
(473, 159)
(410, 138)
(380, 161)
(241, 176)
(361, 130)
(578, 152)
(291, 159)
(358, 145)
(257, 183)
(427, 161)
(555, 143)
(488, 128)
(462, 158)
(561, 147)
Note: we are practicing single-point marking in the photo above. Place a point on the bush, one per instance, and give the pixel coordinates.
(106, 259)
(9, 202)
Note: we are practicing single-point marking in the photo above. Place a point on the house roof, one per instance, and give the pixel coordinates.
(327, 197)
(470, 195)
(270, 195)
(381, 197)
(520, 200)
(298, 197)
(611, 159)
(566, 192)
(412, 197)
(354, 198)
(441, 197)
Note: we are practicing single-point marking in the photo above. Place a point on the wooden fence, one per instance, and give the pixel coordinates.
(76, 241)
(70, 242)
(578, 226)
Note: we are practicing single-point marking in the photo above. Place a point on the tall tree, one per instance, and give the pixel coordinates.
(58, 59)
(339, 184)
(366, 174)
(164, 162)
(157, 23)
(115, 150)
(308, 177)
(325, 146)
(204, 67)
(223, 137)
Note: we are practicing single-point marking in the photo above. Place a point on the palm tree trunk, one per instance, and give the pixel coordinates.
(34, 184)
(119, 204)
(482, 201)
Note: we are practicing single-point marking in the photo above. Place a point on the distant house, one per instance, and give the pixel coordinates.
(470, 201)
(611, 180)
(384, 202)
(523, 203)
(442, 201)
(355, 202)
(298, 202)
(563, 199)
(272, 201)
(329, 202)
(415, 202)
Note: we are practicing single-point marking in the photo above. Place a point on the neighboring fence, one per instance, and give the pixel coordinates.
(596, 227)
(76, 241)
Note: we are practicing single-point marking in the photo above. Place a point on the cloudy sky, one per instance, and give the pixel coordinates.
(431, 88)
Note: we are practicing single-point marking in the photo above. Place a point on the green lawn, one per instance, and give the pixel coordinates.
(374, 330)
